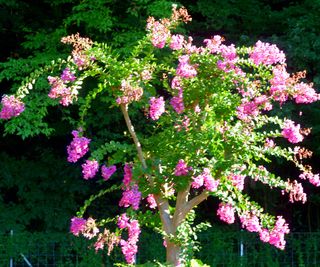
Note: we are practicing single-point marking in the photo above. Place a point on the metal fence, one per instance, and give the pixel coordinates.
(219, 248)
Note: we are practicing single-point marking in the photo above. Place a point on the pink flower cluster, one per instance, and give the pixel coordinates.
(249, 109)
(60, 90)
(159, 32)
(275, 237)
(230, 59)
(214, 43)
(250, 222)
(237, 180)
(151, 201)
(266, 54)
(313, 178)
(131, 197)
(185, 69)
(130, 93)
(90, 169)
(205, 179)
(292, 132)
(78, 225)
(156, 107)
(107, 238)
(11, 107)
(226, 213)
(177, 41)
(67, 76)
(127, 177)
(129, 248)
(269, 143)
(278, 89)
(87, 227)
(78, 147)
(177, 101)
(106, 172)
(181, 168)
(296, 193)
(304, 93)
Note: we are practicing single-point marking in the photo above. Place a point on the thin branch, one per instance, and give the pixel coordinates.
(124, 109)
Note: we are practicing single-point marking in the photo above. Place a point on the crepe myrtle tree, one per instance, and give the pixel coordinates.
(207, 127)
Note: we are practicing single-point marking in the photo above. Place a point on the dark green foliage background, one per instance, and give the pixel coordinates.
(39, 190)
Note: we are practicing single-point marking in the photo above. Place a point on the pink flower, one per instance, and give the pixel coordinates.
(78, 225)
(91, 229)
(276, 236)
(237, 181)
(304, 93)
(177, 103)
(230, 58)
(78, 147)
(264, 53)
(247, 110)
(269, 143)
(197, 181)
(251, 223)
(123, 221)
(159, 33)
(278, 89)
(296, 193)
(151, 201)
(177, 41)
(313, 178)
(226, 213)
(59, 90)
(209, 183)
(90, 169)
(127, 177)
(184, 69)
(106, 172)
(214, 43)
(129, 248)
(156, 107)
(181, 168)
(67, 76)
(11, 107)
(131, 197)
(292, 132)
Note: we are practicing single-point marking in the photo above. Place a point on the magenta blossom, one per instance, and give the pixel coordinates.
(78, 147)
(90, 169)
(131, 197)
(67, 76)
(264, 53)
(292, 132)
(78, 225)
(156, 107)
(181, 168)
(226, 213)
(11, 107)
(106, 172)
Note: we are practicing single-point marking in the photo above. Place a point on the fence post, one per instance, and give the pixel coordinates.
(11, 259)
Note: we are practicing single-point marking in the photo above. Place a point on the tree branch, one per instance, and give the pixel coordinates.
(190, 205)
(182, 199)
(124, 109)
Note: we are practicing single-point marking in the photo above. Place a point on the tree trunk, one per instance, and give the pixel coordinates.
(173, 254)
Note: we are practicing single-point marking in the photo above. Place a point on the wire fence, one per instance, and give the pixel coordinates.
(225, 249)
